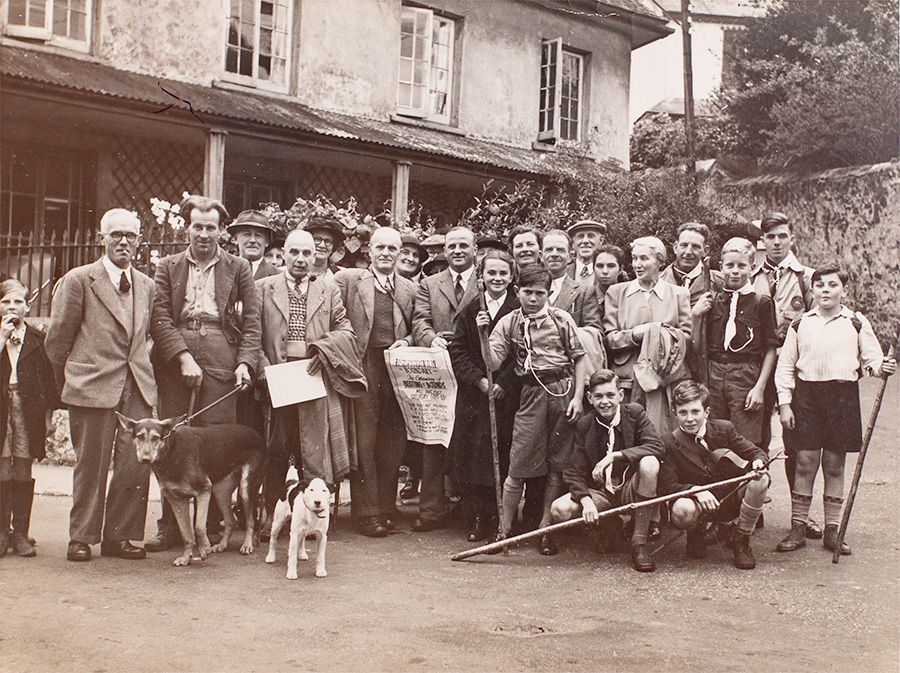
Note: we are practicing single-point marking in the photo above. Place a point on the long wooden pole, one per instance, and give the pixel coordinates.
(688, 83)
(857, 474)
(572, 523)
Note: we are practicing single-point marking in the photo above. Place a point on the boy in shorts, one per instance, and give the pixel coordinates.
(701, 451)
(740, 343)
(550, 364)
(615, 461)
(825, 352)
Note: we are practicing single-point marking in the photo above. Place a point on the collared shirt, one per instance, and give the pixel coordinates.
(635, 286)
(552, 342)
(200, 293)
(13, 348)
(382, 282)
(684, 278)
(493, 305)
(463, 276)
(254, 266)
(580, 268)
(555, 288)
(826, 349)
(115, 273)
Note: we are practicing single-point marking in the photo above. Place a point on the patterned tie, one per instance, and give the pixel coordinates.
(15, 339)
(585, 272)
(458, 287)
(731, 325)
(124, 285)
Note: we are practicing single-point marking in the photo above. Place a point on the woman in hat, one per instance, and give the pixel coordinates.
(328, 235)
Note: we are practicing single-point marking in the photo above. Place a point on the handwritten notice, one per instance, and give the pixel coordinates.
(425, 387)
(290, 383)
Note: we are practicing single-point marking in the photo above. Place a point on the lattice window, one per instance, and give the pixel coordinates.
(370, 191)
(444, 204)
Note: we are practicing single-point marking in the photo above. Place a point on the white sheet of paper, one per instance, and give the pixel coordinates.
(290, 383)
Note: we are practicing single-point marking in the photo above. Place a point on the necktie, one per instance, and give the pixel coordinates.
(687, 281)
(701, 441)
(388, 285)
(458, 288)
(611, 486)
(585, 272)
(15, 339)
(731, 325)
(124, 285)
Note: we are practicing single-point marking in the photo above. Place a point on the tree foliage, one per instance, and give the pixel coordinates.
(658, 141)
(816, 85)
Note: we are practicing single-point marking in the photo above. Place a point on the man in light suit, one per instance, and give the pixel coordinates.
(99, 347)
(439, 300)
(297, 311)
(205, 329)
(379, 304)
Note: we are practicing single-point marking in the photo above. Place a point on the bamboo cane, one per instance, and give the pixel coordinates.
(857, 474)
(484, 341)
(572, 523)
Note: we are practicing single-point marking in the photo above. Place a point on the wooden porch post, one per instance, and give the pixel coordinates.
(400, 192)
(214, 166)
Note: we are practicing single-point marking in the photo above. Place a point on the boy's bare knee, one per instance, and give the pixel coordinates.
(684, 513)
(648, 467)
(561, 510)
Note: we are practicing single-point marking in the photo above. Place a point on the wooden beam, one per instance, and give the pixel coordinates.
(214, 166)
(400, 192)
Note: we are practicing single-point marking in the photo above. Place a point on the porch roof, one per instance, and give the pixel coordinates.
(52, 72)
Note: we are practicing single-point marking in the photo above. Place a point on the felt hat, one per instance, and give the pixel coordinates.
(409, 239)
(319, 223)
(251, 219)
(486, 242)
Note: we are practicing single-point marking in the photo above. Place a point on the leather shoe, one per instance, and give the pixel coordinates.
(830, 540)
(121, 549)
(549, 546)
(160, 542)
(641, 560)
(743, 554)
(370, 526)
(78, 551)
(795, 539)
(496, 537)
(410, 490)
(479, 531)
(813, 530)
(426, 525)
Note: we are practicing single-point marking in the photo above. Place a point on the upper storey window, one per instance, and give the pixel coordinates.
(258, 43)
(66, 23)
(425, 81)
(562, 76)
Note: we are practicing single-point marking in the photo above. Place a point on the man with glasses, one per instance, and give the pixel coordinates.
(99, 347)
(327, 234)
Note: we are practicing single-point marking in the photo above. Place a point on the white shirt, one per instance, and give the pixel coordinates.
(464, 277)
(254, 266)
(383, 282)
(115, 273)
(493, 305)
(555, 288)
(635, 286)
(579, 266)
(13, 350)
(304, 284)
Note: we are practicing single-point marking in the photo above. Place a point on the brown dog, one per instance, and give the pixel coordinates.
(199, 462)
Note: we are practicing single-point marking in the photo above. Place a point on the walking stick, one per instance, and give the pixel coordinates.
(484, 341)
(876, 407)
(572, 523)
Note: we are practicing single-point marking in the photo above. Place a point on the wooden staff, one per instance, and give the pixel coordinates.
(484, 341)
(876, 407)
(630, 507)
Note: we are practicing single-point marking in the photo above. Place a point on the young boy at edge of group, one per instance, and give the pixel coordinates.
(740, 343)
(551, 366)
(702, 450)
(615, 461)
(825, 352)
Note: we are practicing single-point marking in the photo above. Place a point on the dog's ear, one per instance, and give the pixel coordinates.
(303, 484)
(126, 423)
(170, 423)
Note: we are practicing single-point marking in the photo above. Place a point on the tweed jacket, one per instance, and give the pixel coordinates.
(436, 307)
(264, 270)
(579, 300)
(236, 300)
(89, 343)
(357, 288)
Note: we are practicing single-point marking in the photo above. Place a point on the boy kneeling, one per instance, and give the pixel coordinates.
(615, 461)
(703, 451)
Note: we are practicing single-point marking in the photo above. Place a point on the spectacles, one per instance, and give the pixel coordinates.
(321, 240)
(117, 236)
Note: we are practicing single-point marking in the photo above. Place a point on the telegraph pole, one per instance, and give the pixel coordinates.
(688, 83)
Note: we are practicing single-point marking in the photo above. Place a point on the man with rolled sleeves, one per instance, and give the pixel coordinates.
(205, 329)
(379, 304)
(99, 347)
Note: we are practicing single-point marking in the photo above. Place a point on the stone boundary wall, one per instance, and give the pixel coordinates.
(848, 215)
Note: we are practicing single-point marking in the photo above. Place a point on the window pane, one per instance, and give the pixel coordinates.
(265, 41)
(57, 179)
(246, 62)
(231, 59)
(18, 10)
(265, 64)
(406, 46)
(60, 18)
(404, 95)
(406, 70)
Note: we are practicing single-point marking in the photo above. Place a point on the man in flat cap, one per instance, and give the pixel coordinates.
(586, 235)
(253, 233)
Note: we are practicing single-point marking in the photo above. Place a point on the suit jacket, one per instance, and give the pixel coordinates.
(689, 464)
(89, 344)
(580, 301)
(324, 313)
(264, 270)
(436, 307)
(236, 300)
(358, 294)
(708, 281)
(639, 439)
(37, 389)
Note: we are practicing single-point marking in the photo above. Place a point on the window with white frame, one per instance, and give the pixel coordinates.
(63, 22)
(562, 79)
(258, 43)
(425, 80)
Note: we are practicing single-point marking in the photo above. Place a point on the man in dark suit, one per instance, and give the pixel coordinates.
(99, 346)
(205, 329)
(253, 233)
(615, 461)
(439, 300)
(379, 304)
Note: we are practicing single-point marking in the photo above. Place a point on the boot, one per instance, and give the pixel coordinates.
(641, 560)
(795, 539)
(813, 530)
(5, 514)
(830, 540)
(22, 498)
(695, 538)
(743, 555)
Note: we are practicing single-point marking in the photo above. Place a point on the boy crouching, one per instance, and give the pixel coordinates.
(615, 461)
(703, 451)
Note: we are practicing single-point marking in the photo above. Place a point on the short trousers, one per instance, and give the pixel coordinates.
(827, 416)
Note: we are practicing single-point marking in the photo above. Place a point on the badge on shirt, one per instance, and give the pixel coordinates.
(797, 303)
